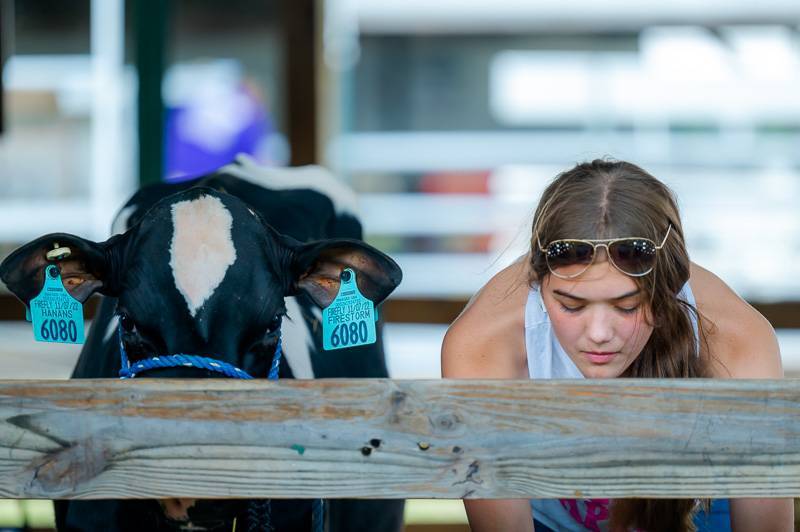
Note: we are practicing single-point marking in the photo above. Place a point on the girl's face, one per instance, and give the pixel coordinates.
(599, 318)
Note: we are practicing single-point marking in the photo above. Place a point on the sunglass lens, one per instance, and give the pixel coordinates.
(568, 258)
(633, 255)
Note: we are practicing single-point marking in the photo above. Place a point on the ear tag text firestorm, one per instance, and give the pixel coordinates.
(349, 321)
(56, 315)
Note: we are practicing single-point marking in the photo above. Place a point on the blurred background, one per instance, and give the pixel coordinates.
(448, 118)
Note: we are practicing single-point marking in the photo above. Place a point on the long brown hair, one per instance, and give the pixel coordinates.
(610, 199)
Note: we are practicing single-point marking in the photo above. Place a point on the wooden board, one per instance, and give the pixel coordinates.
(399, 439)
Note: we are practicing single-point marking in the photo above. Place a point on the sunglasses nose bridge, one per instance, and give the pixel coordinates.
(603, 245)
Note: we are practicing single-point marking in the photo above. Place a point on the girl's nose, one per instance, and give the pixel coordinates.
(600, 329)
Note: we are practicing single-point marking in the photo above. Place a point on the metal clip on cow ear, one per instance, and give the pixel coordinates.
(58, 253)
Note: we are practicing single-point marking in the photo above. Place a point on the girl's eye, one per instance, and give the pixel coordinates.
(630, 310)
(570, 309)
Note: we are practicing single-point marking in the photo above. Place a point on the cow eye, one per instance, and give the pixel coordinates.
(126, 322)
(275, 324)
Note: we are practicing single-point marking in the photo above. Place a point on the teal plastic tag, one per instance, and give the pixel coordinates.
(350, 320)
(56, 315)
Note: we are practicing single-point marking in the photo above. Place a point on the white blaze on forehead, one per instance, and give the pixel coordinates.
(202, 248)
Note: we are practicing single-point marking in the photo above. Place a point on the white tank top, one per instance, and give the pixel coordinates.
(548, 360)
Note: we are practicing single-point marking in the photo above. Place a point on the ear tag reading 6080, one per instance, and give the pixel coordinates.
(56, 315)
(350, 320)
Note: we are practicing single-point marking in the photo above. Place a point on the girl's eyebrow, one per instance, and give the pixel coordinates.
(581, 299)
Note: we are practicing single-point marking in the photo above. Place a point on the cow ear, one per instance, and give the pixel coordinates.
(85, 266)
(317, 266)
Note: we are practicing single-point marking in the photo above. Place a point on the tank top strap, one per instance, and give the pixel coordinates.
(546, 358)
(687, 295)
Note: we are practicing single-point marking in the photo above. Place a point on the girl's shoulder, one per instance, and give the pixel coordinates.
(488, 337)
(741, 342)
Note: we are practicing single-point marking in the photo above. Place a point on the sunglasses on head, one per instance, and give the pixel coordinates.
(568, 258)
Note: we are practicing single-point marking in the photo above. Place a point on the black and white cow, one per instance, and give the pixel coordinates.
(222, 264)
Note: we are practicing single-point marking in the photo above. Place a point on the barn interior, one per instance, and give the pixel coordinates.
(447, 118)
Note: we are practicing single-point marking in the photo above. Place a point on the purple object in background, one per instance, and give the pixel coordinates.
(206, 132)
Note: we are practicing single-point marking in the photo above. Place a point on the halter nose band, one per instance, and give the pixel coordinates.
(129, 371)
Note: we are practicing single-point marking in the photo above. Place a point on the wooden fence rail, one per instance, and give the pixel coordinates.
(399, 439)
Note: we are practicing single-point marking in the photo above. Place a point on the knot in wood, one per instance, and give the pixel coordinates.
(398, 398)
(447, 422)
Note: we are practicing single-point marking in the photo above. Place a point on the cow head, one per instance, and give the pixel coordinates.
(201, 274)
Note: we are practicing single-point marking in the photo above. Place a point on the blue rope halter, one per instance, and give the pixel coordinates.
(129, 371)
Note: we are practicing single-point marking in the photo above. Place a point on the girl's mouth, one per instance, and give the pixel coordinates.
(601, 357)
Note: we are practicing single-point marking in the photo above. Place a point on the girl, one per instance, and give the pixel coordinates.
(607, 290)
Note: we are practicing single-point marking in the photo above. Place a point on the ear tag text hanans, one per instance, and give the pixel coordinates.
(349, 321)
(56, 315)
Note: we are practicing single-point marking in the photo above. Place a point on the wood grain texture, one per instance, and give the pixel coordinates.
(375, 438)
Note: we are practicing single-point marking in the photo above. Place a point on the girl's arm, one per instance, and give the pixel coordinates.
(491, 515)
(741, 344)
(487, 341)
